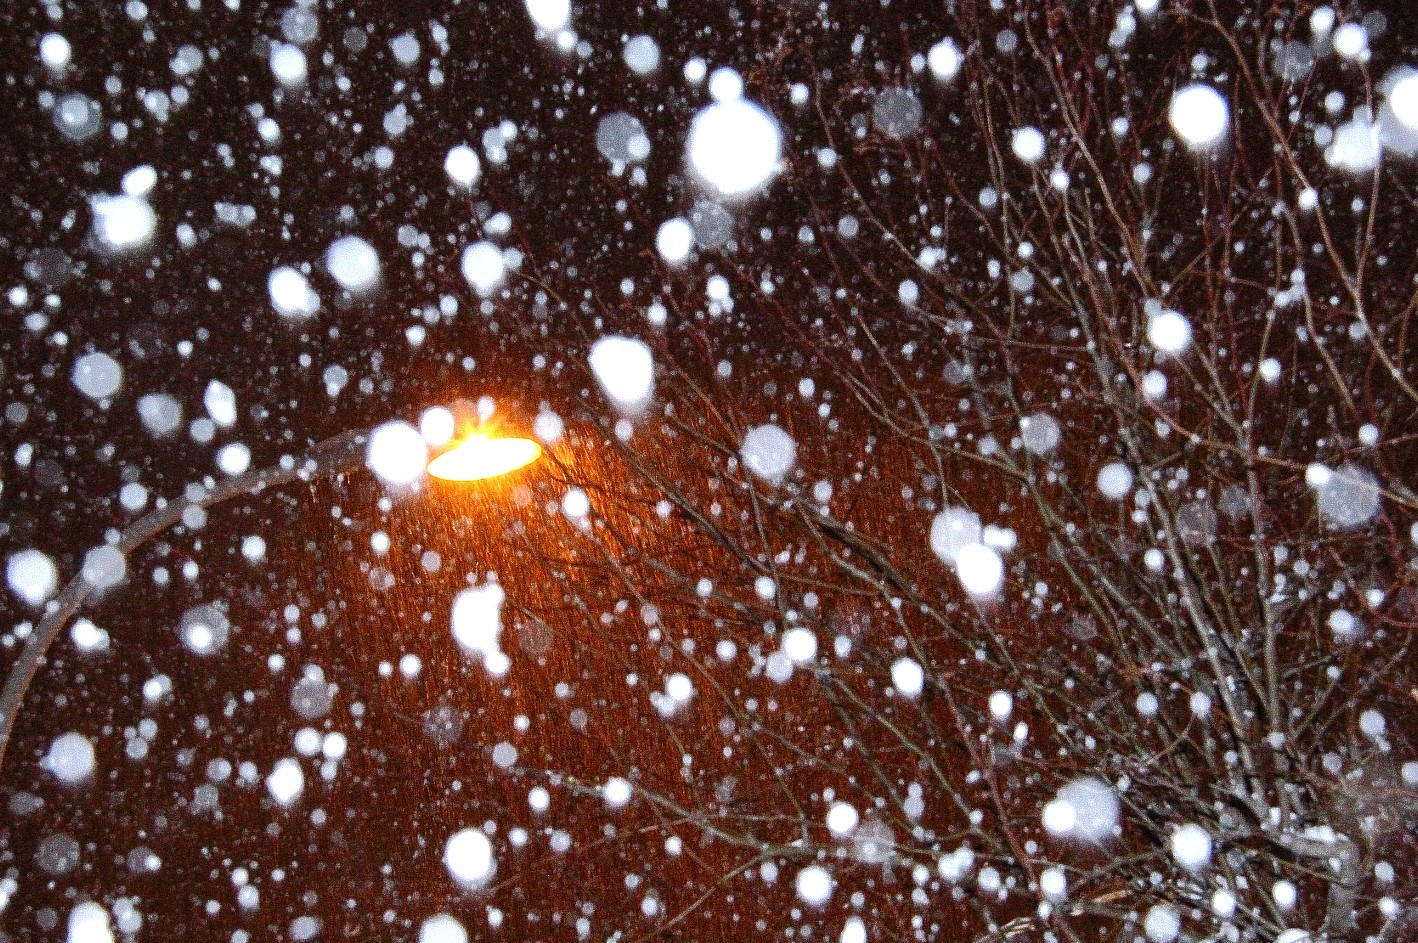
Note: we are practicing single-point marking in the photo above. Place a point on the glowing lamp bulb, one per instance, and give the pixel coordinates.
(479, 457)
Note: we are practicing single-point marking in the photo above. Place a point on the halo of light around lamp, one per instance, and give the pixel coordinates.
(480, 457)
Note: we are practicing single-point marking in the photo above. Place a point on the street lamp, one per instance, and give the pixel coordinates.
(476, 458)
(481, 456)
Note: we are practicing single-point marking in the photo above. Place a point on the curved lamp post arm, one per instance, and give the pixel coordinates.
(340, 453)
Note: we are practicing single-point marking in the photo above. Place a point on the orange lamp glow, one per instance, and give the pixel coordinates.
(479, 457)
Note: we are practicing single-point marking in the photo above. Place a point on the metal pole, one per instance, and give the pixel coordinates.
(340, 453)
